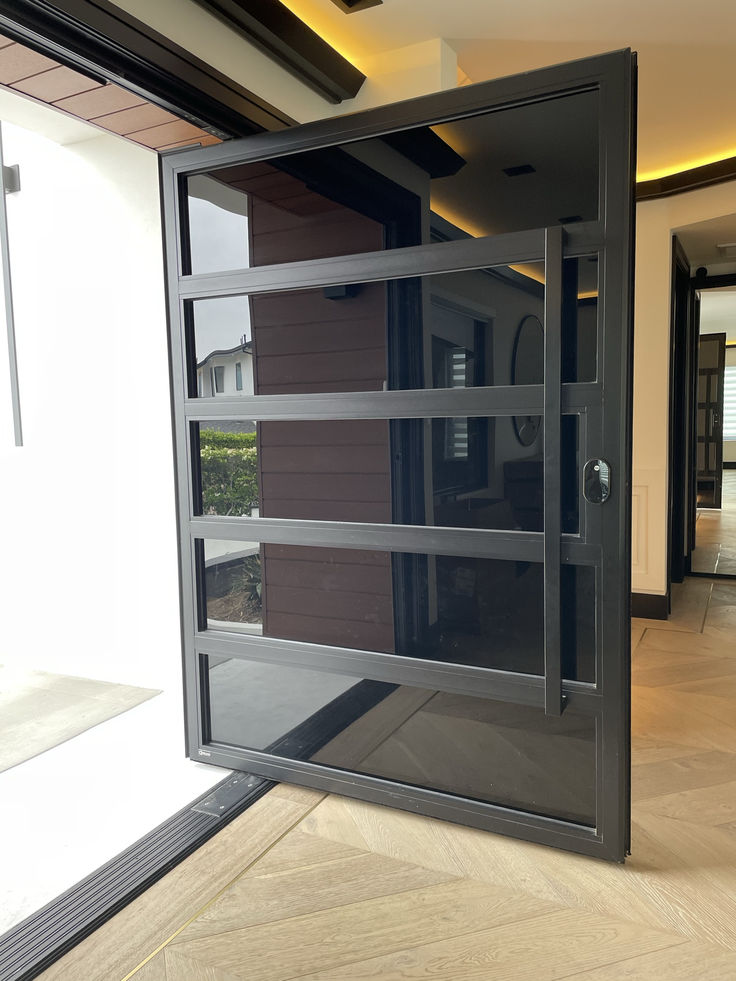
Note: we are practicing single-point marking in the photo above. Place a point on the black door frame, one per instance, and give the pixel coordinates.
(86, 38)
(682, 436)
(681, 453)
(717, 416)
(610, 237)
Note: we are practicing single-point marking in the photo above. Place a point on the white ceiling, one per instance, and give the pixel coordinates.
(687, 110)
(718, 312)
(701, 240)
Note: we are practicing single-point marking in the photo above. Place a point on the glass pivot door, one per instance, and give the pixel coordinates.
(400, 348)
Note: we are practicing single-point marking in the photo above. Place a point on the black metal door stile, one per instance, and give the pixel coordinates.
(462, 694)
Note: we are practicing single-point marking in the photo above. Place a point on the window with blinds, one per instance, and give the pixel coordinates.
(729, 403)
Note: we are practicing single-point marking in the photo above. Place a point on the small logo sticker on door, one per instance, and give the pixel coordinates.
(203, 752)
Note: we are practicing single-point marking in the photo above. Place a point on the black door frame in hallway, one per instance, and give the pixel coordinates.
(683, 400)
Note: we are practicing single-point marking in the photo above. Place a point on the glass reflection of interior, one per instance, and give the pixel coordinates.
(485, 612)
(452, 472)
(530, 166)
(451, 331)
(479, 748)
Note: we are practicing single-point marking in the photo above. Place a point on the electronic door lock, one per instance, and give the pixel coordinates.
(596, 481)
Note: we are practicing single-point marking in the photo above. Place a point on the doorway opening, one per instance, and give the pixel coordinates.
(92, 554)
(702, 526)
(715, 528)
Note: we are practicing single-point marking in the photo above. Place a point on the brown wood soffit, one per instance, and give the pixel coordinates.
(106, 105)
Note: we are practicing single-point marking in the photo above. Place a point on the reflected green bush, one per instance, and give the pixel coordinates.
(229, 466)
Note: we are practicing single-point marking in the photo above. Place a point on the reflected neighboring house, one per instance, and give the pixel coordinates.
(227, 372)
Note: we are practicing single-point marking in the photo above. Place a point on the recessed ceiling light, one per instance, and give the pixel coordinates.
(518, 171)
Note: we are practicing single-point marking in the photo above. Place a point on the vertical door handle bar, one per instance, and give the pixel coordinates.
(553, 699)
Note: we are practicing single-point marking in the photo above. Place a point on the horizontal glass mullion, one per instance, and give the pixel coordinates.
(415, 260)
(468, 254)
(410, 404)
(462, 679)
(524, 546)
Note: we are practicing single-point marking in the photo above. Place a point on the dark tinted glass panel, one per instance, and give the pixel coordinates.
(580, 319)
(457, 473)
(570, 474)
(485, 612)
(454, 330)
(478, 748)
(526, 167)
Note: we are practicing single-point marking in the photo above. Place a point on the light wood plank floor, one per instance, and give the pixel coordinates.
(323, 888)
(715, 533)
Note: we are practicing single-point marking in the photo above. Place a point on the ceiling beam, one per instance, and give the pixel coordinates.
(278, 32)
(687, 180)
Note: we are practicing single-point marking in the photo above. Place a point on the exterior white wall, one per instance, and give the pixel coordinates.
(89, 577)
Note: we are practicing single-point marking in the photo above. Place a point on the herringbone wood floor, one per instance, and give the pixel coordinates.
(328, 889)
(715, 533)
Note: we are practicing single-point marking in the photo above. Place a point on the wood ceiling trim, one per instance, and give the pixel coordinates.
(107, 106)
(136, 118)
(56, 83)
(18, 62)
(100, 102)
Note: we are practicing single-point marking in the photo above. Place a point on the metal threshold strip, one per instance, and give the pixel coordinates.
(34, 944)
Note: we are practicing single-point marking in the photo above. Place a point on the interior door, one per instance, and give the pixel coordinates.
(711, 372)
(404, 500)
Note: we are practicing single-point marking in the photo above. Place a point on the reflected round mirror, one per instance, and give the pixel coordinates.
(527, 368)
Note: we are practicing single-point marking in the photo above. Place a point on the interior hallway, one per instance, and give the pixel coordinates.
(715, 533)
(322, 888)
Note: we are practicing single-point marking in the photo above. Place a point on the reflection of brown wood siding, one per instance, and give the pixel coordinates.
(341, 597)
(335, 471)
(282, 236)
(290, 221)
(349, 348)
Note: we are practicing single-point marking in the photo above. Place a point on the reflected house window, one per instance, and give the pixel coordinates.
(226, 372)
(459, 444)
(217, 379)
(456, 431)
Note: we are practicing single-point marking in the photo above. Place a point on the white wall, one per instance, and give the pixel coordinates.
(89, 578)
(729, 445)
